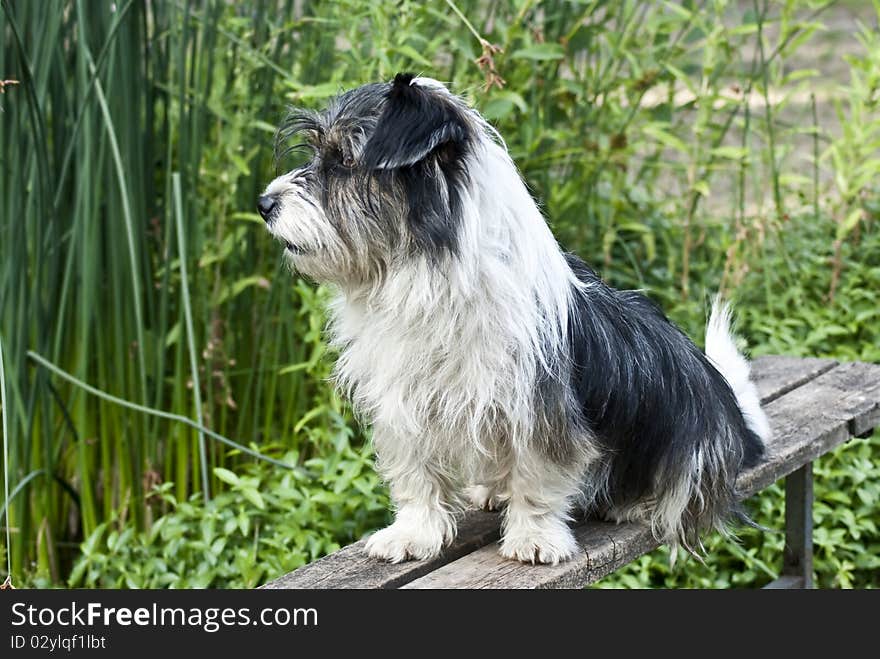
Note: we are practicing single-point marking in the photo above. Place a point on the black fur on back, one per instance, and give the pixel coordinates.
(652, 400)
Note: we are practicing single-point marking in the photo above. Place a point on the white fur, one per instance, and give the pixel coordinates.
(418, 532)
(721, 349)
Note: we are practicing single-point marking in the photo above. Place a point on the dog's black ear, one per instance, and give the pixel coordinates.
(420, 141)
(416, 122)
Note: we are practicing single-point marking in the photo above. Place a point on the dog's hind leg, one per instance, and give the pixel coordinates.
(487, 497)
(490, 479)
(424, 521)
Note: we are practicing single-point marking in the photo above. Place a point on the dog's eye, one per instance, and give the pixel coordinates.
(339, 163)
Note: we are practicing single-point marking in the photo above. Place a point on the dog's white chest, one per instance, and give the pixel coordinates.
(440, 374)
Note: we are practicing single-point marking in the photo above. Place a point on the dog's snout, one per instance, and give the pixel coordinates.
(266, 204)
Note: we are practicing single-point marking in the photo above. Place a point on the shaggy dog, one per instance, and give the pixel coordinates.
(495, 369)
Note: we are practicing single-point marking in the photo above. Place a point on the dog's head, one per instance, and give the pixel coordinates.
(384, 182)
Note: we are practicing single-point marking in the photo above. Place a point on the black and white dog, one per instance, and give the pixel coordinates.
(496, 370)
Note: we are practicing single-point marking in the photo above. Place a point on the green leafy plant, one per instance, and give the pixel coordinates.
(267, 523)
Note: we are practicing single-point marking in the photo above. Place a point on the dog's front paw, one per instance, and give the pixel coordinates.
(550, 543)
(402, 541)
(483, 498)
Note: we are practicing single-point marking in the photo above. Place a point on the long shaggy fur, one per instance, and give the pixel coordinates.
(496, 370)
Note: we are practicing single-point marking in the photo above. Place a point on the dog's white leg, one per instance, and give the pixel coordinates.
(535, 526)
(423, 524)
(424, 521)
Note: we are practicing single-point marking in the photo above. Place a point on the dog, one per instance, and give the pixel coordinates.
(496, 370)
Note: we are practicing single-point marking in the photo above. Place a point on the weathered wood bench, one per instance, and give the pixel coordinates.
(813, 406)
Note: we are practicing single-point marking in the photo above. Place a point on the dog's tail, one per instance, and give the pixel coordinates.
(721, 350)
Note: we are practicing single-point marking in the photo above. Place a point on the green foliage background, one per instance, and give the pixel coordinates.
(680, 147)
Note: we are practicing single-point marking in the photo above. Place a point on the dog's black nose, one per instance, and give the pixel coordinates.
(266, 204)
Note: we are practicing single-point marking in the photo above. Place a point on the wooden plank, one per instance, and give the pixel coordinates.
(775, 375)
(350, 567)
(603, 545)
(812, 419)
(807, 421)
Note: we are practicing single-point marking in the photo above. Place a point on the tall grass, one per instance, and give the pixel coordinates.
(140, 134)
(111, 102)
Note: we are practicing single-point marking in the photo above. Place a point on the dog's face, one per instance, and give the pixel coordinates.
(384, 182)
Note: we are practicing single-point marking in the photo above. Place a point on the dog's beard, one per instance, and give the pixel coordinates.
(310, 247)
(312, 244)
(348, 238)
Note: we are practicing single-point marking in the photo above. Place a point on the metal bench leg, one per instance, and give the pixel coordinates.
(797, 566)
